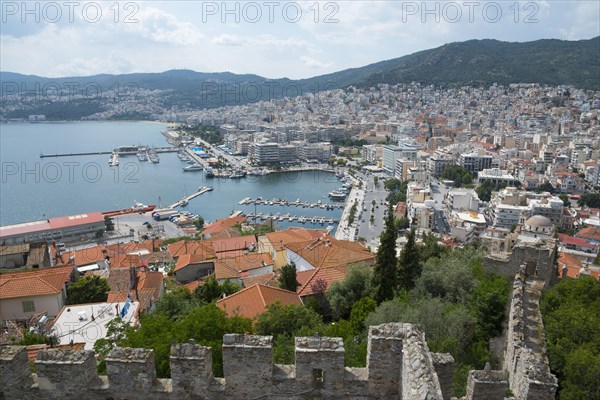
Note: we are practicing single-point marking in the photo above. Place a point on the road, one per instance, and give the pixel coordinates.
(373, 204)
(438, 192)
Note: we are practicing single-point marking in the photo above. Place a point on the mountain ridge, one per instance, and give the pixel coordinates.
(477, 62)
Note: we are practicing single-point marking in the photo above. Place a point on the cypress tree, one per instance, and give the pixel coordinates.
(409, 263)
(287, 280)
(384, 272)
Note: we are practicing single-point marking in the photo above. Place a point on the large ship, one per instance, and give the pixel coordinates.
(135, 208)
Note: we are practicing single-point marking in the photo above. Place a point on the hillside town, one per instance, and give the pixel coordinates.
(513, 172)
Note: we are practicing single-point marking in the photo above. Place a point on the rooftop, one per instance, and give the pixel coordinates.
(34, 283)
(86, 323)
(252, 301)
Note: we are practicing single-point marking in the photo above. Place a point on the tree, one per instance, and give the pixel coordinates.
(590, 199)
(431, 247)
(360, 311)
(571, 313)
(287, 279)
(89, 289)
(287, 320)
(459, 175)
(211, 290)
(384, 271)
(409, 263)
(355, 286)
(199, 223)
(110, 226)
(565, 199)
(545, 187)
(402, 223)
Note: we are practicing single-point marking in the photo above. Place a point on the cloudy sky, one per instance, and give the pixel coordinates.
(269, 38)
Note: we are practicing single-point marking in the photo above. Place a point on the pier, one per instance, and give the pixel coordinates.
(95, 153)
(289, 217)
(186, 199)
(114, 159)
(287, 203)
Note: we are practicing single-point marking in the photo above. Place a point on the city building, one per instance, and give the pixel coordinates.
(70, 228)
(474, 162)
(496, 176)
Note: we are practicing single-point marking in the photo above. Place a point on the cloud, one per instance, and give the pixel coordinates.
(315, 64)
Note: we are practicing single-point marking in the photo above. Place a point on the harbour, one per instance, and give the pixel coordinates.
(287, 203)
(78, 185)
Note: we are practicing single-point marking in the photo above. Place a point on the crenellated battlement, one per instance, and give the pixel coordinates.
(399, 366)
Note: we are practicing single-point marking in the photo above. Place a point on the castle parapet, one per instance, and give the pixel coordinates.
(64, 372)
(191, 368)
(14, 369)
(247, 365)
(130, 370)
(320, 364)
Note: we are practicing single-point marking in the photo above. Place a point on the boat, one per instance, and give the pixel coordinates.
(193, 167)
(135, 208)
(126, 150)
(153, 157)
(337, 195)
(208, 173)
(141, 155)
(237, 174)
(183, 203)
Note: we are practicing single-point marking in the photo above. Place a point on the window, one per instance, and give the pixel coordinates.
(28, 306)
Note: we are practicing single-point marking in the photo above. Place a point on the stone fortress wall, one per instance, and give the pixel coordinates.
(399, 366)
(399, 363)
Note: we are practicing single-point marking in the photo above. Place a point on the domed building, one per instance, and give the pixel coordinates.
(538, 226)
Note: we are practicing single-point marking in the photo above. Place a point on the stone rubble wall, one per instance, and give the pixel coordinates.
(529, 374)
(538, 259)
(486, 385)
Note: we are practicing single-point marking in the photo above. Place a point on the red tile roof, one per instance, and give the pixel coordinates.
(34, 283)
(224, 227)
(189, 259)
(589, 233)
(234, 267)
(330, 252)
(293, 235)
(252, 301)
(326, 275)
(198, 247)
(575, 241)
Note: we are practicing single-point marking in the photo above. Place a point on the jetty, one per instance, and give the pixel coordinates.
(288, 203)
(186, 199)
(95, 153)
(114, 159)
(289, 217)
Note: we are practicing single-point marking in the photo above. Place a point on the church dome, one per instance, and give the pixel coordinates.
(539, 221)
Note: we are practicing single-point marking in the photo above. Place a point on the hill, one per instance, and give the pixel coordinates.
(474, 62)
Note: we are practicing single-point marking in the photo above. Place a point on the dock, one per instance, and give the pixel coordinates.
(114, 159)
(95, 153)
(289, 217)
(186, 199)
(287, 203)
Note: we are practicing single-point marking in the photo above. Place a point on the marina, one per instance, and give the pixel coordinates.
(291, 218)
(101, 187)
(287, 203)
